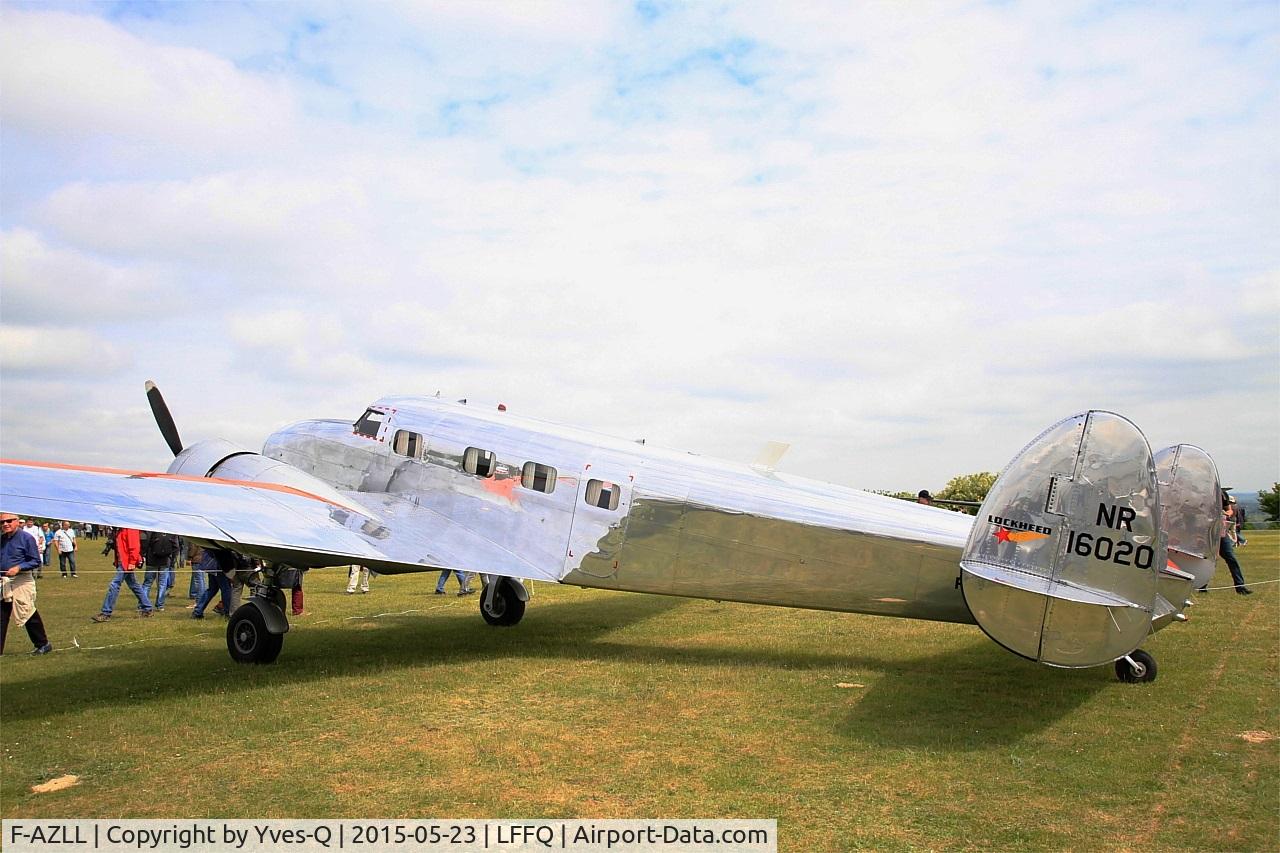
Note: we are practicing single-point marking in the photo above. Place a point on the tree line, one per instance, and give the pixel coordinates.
(974, 487)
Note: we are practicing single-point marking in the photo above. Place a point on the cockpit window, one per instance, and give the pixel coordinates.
(479, 462)
(370, 422)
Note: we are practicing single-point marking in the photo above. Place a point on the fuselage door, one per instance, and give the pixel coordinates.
(599, 524)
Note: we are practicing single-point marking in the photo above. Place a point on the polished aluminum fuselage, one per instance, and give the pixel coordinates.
(684, 525)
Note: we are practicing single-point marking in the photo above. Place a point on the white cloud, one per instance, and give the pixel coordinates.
(33, 352)
(226, 218)
(48, 286)
(903, 237)
(297, 346)
(81, 80)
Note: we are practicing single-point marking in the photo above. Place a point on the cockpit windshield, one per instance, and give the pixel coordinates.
(369, 423)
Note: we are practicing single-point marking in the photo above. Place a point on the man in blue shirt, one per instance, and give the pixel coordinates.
(19, 559)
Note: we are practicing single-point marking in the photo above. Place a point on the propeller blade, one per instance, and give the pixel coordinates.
(164, 420)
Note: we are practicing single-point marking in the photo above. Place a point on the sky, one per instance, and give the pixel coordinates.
(902, 237)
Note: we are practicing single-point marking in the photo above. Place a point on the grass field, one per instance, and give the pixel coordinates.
(403, 704)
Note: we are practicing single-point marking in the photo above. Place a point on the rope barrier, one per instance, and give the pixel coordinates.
(1233, 586)
(203, 635)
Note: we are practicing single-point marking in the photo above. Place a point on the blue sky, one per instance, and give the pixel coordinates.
(902, 237)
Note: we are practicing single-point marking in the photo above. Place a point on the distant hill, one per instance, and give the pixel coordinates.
(1248, 498)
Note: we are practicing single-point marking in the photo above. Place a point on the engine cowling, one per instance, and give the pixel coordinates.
(225, 460)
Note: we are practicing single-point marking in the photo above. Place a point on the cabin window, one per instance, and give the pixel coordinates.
(369, 423)
(540, 478)
(479, 462)
(407, 444)
(602, 494)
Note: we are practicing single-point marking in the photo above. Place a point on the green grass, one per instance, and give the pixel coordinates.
(617, 705)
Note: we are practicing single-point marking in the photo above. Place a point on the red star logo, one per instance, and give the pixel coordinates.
(1001, 534)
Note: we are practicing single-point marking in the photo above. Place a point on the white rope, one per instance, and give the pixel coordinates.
(203, 635)
(1233, 586)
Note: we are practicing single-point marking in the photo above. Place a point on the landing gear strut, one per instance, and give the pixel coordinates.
(256, 631)
(1136, 667)
(502, 601)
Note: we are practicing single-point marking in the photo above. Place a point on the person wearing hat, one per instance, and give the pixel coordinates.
(1227, 547)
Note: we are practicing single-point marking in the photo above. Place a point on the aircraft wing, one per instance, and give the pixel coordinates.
(275, 522)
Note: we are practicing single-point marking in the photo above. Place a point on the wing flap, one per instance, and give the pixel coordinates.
(415, 533)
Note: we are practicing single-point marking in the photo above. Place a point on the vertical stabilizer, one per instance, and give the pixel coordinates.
(1190, 509)
(1062, 564)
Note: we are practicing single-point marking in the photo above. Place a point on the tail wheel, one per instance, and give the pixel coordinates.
(506, 607)
(248, 639)
(1136, 667)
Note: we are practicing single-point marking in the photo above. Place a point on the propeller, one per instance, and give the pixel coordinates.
(164, 420)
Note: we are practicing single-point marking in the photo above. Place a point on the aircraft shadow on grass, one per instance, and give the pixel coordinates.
(941, 701)
(967, 699)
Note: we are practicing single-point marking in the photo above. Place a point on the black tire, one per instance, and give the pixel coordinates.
(1144, 671)
(248, 639)
(508, 608)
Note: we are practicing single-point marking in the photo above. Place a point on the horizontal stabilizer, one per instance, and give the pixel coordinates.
(1045, 586)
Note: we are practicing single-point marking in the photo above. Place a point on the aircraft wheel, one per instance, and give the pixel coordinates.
(248, 639)
(1142, 668)
(506, 610)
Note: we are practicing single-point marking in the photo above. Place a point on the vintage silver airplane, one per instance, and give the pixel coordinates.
(1085, 544)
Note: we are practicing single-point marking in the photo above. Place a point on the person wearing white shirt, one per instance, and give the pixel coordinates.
(64, 540)
(38, 535)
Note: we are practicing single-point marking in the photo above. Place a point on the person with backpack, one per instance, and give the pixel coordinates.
(127, 545)
(159, 550)
(219, 564)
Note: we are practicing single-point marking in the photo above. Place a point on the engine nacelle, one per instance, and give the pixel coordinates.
(224, 460)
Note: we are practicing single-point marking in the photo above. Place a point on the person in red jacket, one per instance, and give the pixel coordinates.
(128, 547)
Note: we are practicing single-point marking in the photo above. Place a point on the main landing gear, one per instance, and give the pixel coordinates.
(502, 601)
(255, 633)
(1136, 667)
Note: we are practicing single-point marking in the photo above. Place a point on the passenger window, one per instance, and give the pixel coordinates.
(603, 495)
(407, 444)
(479, 462)
(540, 478)
(369, 423)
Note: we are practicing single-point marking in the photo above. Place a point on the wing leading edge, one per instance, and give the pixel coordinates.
(277, 523)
